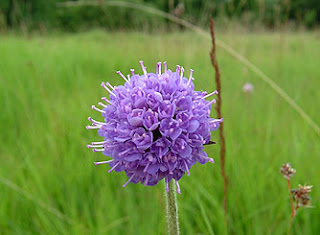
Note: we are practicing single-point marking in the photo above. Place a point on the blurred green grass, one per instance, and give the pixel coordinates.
(48, 84)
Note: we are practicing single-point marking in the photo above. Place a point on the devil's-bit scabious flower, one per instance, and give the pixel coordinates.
(155, 126)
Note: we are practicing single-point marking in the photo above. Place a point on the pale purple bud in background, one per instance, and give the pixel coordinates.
(247, 88)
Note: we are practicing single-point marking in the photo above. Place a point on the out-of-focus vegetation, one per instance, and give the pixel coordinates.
(47, 87)
(39, 14)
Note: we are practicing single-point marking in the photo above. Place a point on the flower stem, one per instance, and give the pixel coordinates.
(293, 212)
(172, 209)
(291, 201)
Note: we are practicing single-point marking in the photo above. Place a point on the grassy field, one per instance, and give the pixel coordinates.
(47, 87)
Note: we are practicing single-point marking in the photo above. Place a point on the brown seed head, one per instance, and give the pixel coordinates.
(305, 201)
(301, 195)
(287, 171)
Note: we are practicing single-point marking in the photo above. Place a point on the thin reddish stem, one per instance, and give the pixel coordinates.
(293, 212)
(221, 133)
(291, 200)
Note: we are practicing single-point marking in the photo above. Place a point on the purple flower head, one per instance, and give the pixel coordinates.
(155, 126)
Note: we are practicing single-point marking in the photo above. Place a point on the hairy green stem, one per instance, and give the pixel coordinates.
(172, 209)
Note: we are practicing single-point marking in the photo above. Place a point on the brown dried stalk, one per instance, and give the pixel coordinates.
(218, 107)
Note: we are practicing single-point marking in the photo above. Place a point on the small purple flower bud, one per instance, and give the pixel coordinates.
(142, 138)
(184, 103)
(138, 97)
(153, 168)
(181, 147)
(193, 125)
(195, 140)
(183, 118)
(125, 108)
(110, 112)
(166, 109)
(135, 118)
(161, 147)
(133, 157)
(121, 92)
(153, 83)
(170, 128)
(154, 100)
(150, 120)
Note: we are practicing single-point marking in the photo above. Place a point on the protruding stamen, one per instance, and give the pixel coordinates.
(114, 167)
(92, 127)
(167, 186)
(99, 142)
(211, 102)
(182, 71)
(106, 100)
(118, 72)
(102, 104)
(217, 120)
(124, 152)
(108, 84)
(178, 188)
(108, 128)
(94, 146)
(143, 68)
(146, 167)
(131, 177)
(187, 168)
(98, 150)
(146, 180)
(212, 93)
(96, 122)
(159, 68)
(103, 162)
(105, 87)
(165, 66)
(178, 69)
(132, 71)
(128, 76)
(99, 110)
(190, 77)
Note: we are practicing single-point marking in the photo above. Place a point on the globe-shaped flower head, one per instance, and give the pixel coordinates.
(155, 126)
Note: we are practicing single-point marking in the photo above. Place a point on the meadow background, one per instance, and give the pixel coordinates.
(49, 80)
